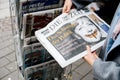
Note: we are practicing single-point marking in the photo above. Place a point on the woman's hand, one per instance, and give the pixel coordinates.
(90, 57)
(67, 6)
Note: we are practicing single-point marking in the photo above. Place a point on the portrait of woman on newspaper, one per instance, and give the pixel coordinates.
(87, 30)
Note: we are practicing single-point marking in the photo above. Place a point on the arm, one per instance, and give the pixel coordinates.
(108, 70)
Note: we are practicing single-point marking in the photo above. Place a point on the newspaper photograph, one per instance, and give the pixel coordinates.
(67, 35)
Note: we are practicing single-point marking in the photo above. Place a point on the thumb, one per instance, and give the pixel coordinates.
(88, 49)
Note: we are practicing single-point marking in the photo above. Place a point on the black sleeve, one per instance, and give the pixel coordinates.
(107, 11)
(79, 4)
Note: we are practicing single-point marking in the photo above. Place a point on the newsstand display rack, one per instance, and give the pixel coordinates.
(27, 16)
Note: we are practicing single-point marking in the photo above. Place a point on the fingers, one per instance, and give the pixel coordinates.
(66, 9)
(90, 57)
(95, 55)
(67, 6)
(88, 49)
(90, 52)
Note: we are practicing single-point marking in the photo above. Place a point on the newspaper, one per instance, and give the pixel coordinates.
(67, 35)
(35, 54)
(29, 6)
(37, 20)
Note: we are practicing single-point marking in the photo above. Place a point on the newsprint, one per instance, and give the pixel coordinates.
(67, 35)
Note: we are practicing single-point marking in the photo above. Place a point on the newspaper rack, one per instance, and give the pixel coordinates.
(46, 71)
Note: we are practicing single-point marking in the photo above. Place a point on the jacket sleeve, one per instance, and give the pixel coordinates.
(106, 70)
(81, 3)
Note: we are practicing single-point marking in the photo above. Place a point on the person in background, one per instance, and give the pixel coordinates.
(106, 66)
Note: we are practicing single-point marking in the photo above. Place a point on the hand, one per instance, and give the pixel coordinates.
(67, 6)
(90, 57)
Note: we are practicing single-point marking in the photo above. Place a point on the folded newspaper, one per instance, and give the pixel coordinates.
(67, 35)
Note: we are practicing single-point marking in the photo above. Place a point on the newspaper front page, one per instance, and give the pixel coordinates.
(67, 35)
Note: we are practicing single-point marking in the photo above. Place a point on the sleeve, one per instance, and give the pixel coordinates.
(106, 70)
(81, 3)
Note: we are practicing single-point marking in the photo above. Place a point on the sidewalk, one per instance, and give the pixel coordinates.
(8, 64)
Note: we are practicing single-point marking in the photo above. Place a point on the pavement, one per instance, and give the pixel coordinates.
(8, 65)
